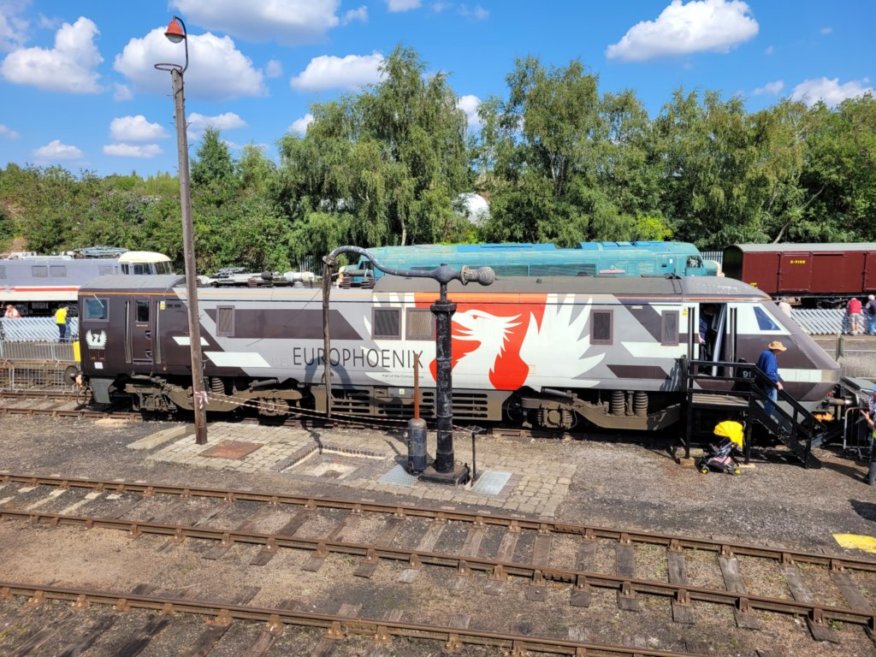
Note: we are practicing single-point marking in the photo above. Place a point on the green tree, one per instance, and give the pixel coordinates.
(383, 167)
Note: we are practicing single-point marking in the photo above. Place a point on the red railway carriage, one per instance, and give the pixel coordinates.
(813, 272)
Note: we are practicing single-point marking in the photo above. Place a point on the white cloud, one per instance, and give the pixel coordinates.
(826, 30)
(142, 151)
(135, 128)
(217, 69)
(402, 5)
(476, 12)
(300, 125)
(291, 22)
(198, 123)
(71, 66)
(122, 92)
(469, 104)
(770, 89)
(7, 132)
(55, 151)
(329, 72)
(13, 26)
(273, 69)
(360, 14)
(830, 92)
(701, 25)
(769, 50)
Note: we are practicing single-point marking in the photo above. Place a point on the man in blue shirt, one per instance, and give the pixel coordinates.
(769, 365)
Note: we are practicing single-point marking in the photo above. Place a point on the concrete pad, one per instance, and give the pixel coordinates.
(160, 437)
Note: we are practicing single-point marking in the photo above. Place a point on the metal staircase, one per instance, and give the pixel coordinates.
(741, 390)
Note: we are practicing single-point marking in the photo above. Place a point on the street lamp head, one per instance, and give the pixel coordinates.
(176, 30)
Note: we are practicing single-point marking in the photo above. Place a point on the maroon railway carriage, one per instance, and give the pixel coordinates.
(816, 273)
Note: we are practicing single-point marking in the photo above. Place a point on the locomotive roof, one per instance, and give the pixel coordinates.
(152, 282)
(794, 248)
(708, 286)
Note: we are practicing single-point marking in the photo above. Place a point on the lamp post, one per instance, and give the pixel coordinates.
(445, 470)
(176, 32)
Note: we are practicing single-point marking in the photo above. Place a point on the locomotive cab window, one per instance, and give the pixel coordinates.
(142, 312)
(96, 309)
(764, 321)
(601, 327)
(420, 324)
(386, 323)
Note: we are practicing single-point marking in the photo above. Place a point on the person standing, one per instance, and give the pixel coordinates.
(853, 310)
(61, 321)
(768, 363)
(870, 309)
(871, 475)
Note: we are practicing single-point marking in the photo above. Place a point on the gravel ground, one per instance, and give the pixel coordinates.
(633, 485)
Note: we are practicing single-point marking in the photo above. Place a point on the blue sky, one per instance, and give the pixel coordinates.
(78, 86)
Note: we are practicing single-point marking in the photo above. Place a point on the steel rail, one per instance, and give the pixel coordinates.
(337, 627)
(588, 532)
(500, 569)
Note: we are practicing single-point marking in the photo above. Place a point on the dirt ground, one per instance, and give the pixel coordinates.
(616, 483)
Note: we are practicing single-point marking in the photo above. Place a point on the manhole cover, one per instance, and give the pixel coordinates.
(231, 449)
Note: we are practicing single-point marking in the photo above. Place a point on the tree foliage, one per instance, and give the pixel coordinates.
(558, 160)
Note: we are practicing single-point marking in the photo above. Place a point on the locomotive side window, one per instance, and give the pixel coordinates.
(142, 311)
(387, 323)
(58, 271)
(420, 326)
(601, 327)
(764, 321)
(225, 321)
(96, 309)
(669, 328)
(39, 271)
(2, 271)
(104, 270)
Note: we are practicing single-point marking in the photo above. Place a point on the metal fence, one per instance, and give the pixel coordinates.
(35, 329)
(51, 352)
(14, 377)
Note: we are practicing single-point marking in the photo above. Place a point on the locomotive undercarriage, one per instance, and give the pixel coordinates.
(549, 409)
(159, 394)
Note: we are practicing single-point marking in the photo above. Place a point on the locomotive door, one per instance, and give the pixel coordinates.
(140, 330)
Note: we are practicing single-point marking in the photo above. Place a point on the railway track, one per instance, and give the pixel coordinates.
(472, 549)
(335, 627)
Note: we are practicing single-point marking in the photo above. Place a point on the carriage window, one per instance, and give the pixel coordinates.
(96, 308)
(669, 328)
(601, 330)
(421, 326)
(225, 321)
(142, 311)
(764, 321)
(39, 271)
(387, 323)
(58, 271)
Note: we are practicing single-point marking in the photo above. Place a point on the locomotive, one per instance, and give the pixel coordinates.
(643, 258)
(553, 352)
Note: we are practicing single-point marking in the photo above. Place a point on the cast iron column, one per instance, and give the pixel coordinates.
(443, 311)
